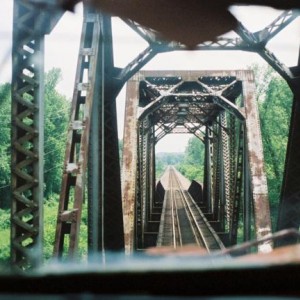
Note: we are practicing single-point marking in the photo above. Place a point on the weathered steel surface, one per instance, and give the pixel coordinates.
(170, 111)
(129, 169)
(112, 234)
(256, 162)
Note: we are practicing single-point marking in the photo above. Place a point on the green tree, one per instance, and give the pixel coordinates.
(56, 121)
(275, 111)
(163, 159)
(5, 113)
(193, 164)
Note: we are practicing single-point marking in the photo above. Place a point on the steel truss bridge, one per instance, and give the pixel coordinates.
(216, 106)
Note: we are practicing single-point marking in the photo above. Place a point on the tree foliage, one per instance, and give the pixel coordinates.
(163, 159)
(275, 102)
(5, 114)
(56, 122)
(193, 163)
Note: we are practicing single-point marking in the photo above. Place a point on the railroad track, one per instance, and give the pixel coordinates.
(182, 222)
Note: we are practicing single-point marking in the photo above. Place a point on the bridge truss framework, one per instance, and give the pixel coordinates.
(219, 108)
(99, 90)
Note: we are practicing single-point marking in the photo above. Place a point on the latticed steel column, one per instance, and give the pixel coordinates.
(238, 163)
(152, 179)
(142, 187)
(27, 136)
(226, 169)
(207, 181)
(143, 165)
(216, 172)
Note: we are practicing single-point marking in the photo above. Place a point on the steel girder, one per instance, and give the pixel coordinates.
(110, 179)
(75, 164)
(256, 162)
(29, 27)
(129, 170)
(96, 99)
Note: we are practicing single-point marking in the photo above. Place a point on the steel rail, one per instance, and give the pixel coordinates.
(191, 215)
(193, 218)
(172, 211)
(179, 235)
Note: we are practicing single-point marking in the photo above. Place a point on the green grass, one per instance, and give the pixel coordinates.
(50, 216)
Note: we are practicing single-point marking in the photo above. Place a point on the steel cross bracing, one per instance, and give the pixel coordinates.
(30, 27)
(31, 23)
(176, 101)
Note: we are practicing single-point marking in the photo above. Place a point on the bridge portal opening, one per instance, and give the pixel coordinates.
(218, 108)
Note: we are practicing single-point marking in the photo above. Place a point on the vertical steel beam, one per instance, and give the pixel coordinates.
(27, 136)
(129, 170)
(152, 172)
(75, 165)
(256, 162)
(148, 176)
(247, 197)
(207, 171)
(222, 187)
(94, 157)
(216, 174)
(139, 192)
(112, 234)
(226, 170)
(237, 183)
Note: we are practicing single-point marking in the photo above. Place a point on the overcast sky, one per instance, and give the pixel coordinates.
(62, 50)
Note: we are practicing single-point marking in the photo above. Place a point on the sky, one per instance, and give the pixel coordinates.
(61, 50)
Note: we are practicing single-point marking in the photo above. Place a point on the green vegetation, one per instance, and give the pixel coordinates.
(275, 102)
(189, 163)
(56, 121)
(192, 166)
(163, 159)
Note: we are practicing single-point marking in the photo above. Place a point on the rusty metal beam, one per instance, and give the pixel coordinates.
(257, 46)
(129, 169)
(256, 162)
(135, 65)
(74, 175)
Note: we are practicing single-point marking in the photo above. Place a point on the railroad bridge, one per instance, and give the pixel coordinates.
(218, 107)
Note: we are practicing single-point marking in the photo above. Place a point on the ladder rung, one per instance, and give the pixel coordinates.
(77, 125)
(83, 86)
(87, 51)
(72, 168)
(68, 216)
